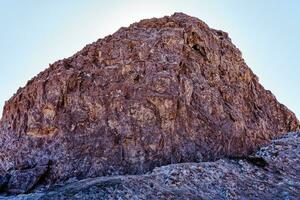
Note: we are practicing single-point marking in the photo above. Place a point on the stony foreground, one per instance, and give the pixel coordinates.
(272, 173)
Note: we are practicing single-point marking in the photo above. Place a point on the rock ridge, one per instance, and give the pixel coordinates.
(221, 179)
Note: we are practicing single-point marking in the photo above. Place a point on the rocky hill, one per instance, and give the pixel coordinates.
(162, 91)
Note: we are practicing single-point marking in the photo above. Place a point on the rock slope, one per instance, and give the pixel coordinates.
(273, 172)
(164, 90)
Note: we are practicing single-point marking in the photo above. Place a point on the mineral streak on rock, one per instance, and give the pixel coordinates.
(164, 90)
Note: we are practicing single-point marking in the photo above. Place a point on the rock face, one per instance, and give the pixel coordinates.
(271, 173)
(161, 91)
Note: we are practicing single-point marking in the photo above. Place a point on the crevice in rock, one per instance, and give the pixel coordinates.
(254, 160)
(200, 50)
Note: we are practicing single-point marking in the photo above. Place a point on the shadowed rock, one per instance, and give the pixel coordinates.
(21, 181)
(164, 90)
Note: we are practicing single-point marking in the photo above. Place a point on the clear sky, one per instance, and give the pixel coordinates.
(34, 33)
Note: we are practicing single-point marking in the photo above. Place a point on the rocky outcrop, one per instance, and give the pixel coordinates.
(270, 173)
(161, 91)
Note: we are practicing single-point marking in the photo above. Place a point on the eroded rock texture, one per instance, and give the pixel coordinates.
(161, 91)
(270, 173)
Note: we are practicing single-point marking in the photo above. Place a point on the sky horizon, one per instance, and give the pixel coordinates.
(35, 34)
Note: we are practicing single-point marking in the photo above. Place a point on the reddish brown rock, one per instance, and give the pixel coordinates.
(161, 91)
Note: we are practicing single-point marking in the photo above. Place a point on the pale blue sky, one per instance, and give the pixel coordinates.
(34, 34)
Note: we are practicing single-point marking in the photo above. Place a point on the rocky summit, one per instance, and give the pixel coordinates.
(162, 91)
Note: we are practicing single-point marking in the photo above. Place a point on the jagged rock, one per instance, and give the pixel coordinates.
(161, 91)
(22, 181)
(222, 179)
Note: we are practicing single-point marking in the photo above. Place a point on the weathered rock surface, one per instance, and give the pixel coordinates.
(273, 172)
(21, 181)
(161, 91)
